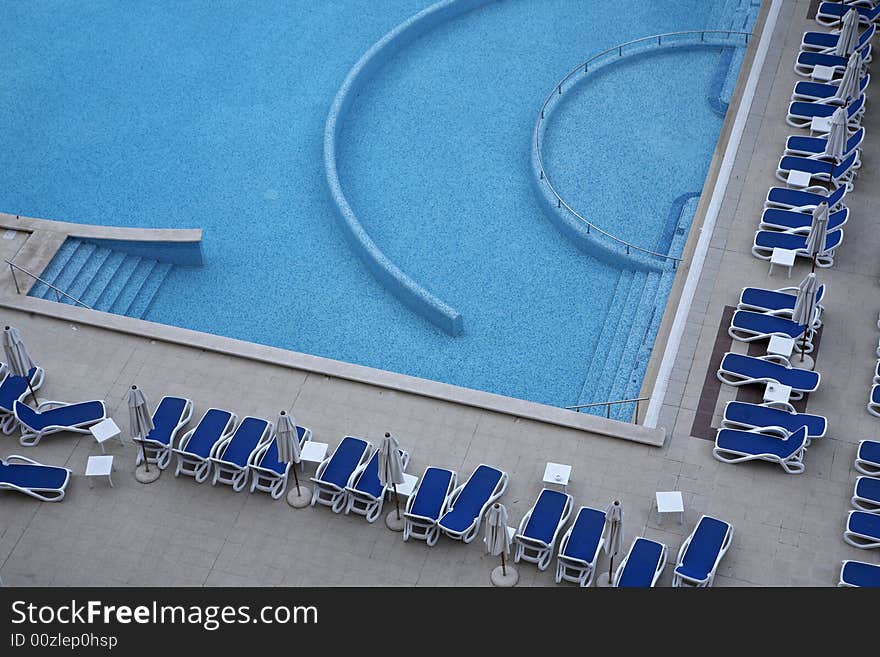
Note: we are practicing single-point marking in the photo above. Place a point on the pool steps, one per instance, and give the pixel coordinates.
(103, 278)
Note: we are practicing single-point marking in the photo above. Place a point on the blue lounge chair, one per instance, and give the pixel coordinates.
(741, 415)
(822, 91)
(868, 458)
(830, 13)
(171, 415)
(748, 326)
(365, 495)
(642, 565)
(801, 114)
(876, 378)
(859, 573)
(827, 41)
(270, 474)
(862, 530)
(791, 221)
(47, 483)
(815, 146)
(13, 389)
(701, 552)
(739, 369)
(874, 400)
(428, 502)
(580, 546)
(231, 456)
(820, 171)
(737, 446)
(539, 528)
(776, 302)
(471, 500)
(197, 444)
(54, 416)
(866, 495)
(767, 240)
(807, 61)
(804, 200)
(336, 472)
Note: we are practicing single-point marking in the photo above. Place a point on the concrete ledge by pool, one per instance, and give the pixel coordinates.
(410, 292)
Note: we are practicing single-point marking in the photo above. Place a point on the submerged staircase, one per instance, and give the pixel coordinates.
(102, 278)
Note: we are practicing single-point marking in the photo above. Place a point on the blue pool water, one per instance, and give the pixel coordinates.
(211, 115)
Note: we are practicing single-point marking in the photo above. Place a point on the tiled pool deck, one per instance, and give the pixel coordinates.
(788, 529)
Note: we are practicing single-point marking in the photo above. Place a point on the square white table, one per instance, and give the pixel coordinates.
(670, 502)
(408, 486)
(783, 258)
(823, 73)
(798, 179)
(780, 346)
(557, 473)
(99, 466)
(104, 431)
(777, 392)
(820, 124)
(313, 452)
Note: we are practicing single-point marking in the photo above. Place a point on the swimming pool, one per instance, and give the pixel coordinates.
(210, 115)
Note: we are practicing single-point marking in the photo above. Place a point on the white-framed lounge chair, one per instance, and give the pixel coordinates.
(642, 565)
(815, 146)
(866, 494)
(742, 415)
(268, 473)
(791, 221)
(471, 500)
(579, 547)
(786, 198)
(868, 458)
(13, 389)
(874, 400)
(859, 573)
(47, 483)
(808, 91)
(830, 13)
(230, 457)
(738, 446)
(365, 495)
(336, 472)
(427, 503)
(827, 41)
(197, 444)
(739, 369)
(171, 415)
(749, 326)
(54, 417)
(767, 240)
(539, 528)
(802, 113)
(701, 552)
(777, 302)
(808, 60)
(821, 172)
(876, 378)
(862, 530)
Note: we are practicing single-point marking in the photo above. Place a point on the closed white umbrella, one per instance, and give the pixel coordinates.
(848, 87)
(613, 533)
(835, 145)
(18, 359)
(848, 36)
(818, 232)
(805, 305)
(287, 442)
(391, 474)
(498, 543)
(140, 423)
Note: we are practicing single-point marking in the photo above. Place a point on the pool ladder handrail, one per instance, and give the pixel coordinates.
(609, 404)
(58, 292)
(584, 68)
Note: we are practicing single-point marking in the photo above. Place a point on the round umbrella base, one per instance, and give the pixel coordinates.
(394, 523)
(500, 579)
(603, 580)
(806, 364)
(301, 500)
(145, 476)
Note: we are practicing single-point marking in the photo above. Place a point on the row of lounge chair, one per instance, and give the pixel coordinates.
(863, 522)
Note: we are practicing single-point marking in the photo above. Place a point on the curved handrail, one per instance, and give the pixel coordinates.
(584, 69)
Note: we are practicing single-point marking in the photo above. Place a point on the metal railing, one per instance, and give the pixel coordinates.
(616, 52)
(58, 292)
(609, 404)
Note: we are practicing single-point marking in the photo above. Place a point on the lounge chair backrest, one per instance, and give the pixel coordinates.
(641, 564)
(245, 440)
(585, 534)
(477, 490)
(12, 388)
(432, 493)
(64, 416)
(208, 432)
(344, 461)
(270, 460)
(368, 481)
(704, 548)
(545, 517)
(166, 417)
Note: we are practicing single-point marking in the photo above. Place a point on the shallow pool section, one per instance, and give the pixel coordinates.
(211, 115)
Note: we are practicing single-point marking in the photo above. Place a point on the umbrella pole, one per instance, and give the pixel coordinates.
(296, 479)
(396, 500)
(144, 454)
(611, 568)
(503, 567)
(33, 394)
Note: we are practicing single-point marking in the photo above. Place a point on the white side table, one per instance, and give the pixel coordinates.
(99, 466)
(104, 431)
(313, 452)
(823, 73)
(783, 258)
(798, 179)
(780, 346)
(670, 502)
(777, 392)
(408, 486)
(557, 473)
